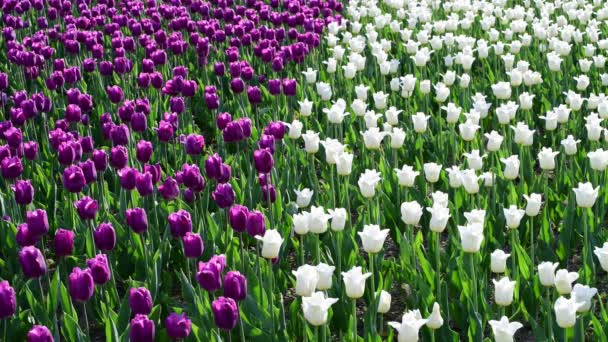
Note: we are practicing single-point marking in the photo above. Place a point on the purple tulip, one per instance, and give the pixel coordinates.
(254, 95)
(169, 189)
(212, 100)
(225, 313)
(128, 177)
(64, 242)
(140, 301)
(40, 333)
(255, 224)
(213, 166)
(24, 237)
(223, 119)
(13, 137)
(81, 284)
(238, 217)
(32, 262)
(37, 222)
(235, 285)
(245, 124)
(139, 122)
(24, 192)
(142, 329)
(193, 245)
(105, 236)
(177, 105)
(192, 178)
(263, 160)
(233, 132)
(11, 167)
(274, 87)
(30, 150)
(89, 171)
(114, 93)
(269, 191)
(289, 87)
(8, 300)
(209, 276)
(267, 142)
(137, 220)
(237, 85)
(165, 131)
(180, 223)
(100, 159)
(73, 113)
(178, 326)
(118, 157)
(223, 195)
(120, 135)
(100, 270)
(144, 150)
(144, 184)
(86, 208)
(194, 144)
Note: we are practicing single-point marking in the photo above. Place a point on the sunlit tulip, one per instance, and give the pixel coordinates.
(406, 175)
(504, 330)
(533, 204)
(354, 282)
(523, 134)
(586, 195)
(407, 330)
(338, 218)
(431, 172)
(411, 212)
(513, 216)
(420, 121)
(372, 138)
(397, 138)
(303, 197)
(511, 170)
(439, 218)
(325, 273)
(333, 149)
(565, 312)
(372, 238)
(494, 141)
(503, 291)
(563, 281)
(384, 302)
(471, 237)
(368, 182)
(440, 199)
(271, 243)
(498, 261)
(582, 294)
(602, 255)
(598, 159)
(569, 145)
(475, 216)
(300, 223)
(546, 273)
(305, 107)
(318, 220)
(306, 280)
(344, 163)
(470, 181)
(315, 308)
(546, 158)
(435, 321)
(311, 142)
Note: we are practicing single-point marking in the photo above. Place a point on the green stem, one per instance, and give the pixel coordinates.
(241, 328)
(581, 328)
(438, 265)
(471, 259)
(318, 249)
(586, 246)
(86, 318)
(354, 307)
(373, 299)
(271, 298)
(549, 316)
(532, 243)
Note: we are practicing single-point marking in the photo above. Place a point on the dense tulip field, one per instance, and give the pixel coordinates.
(303, 170)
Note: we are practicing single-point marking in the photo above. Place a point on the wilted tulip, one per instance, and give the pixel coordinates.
(315, 308)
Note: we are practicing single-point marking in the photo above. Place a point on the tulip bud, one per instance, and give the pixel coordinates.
(81, 284)
(435, 321)
(140, 301)
(225, 313)
(384, 302)
(498, 261)
(193, 245)
(235, 286)
(64, 242)
(142, 329)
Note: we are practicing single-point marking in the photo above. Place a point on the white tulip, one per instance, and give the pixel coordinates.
(380, 99)
(305, 107)
(439, 218)
(494, 141)
(397, 138)
(325, 273)
(475, 216)
(502, 90)
(271, 243)
(435, 321)
(503, 291)
(470, 181)
(344, 164)
(359, 107)
(565, 312)
(384, 302)
(311, 142)
(315, 308)
(310, 75)
(300, 223)
(454, 177)
(546, 273)
(411, 212)
(372, 138)
(569, 145)
(586, 195)
(368, 182)
(498, 261)
(410, 325)
(338, 218)
(511, 170)
(392, 116)
(303, 197)
(563, 281)
(598, 159)
(406, 175)
(602, 255)
(513, 216)
(474, 160)
(440, 199)
(420, 122)
(523, 134)
(546, 158)
(504, 330)
(306, 280)
(318, 220)
(354, 282)
(333, 149)
(582, 294)
(471, 237)
(431, 172)
(372, 238)
(533, 204)
(324, 90)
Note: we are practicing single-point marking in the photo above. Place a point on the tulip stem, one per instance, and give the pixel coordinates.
(471, 257)
(354, 305)
(86, 318)
(549, 317)
(438, 265)
(318, 248)
(241, 328)
(271, 298)
(586, 246)
(581, 328)
(532, 243)
(5, 324)
(373, 299)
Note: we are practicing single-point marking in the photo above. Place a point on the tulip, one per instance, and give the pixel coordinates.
(406, 175)
(140, 301)
(180, 223)
(384, 302)
(225, 313)
(602, 255)
(303, 197)
(8, 300)
(565, 312)
(586, 195)
(142, 329)
(373, 238)
(344, 163)
(513, 216)
(431, 172)
(32, 262)
(73, 179)
(137, 220)
(144, 184)
(471, 237)
(24, 237)
(420, 122)
(498, 261)
(439, 217)
(100, 269)
(238, 217)
(546, 273)
(193, 245)
(318, 220)
(325, 273)
(435, 321)
(271, 243)
(533, 204)
(11, 167)
(81, 284)
(40, 333)
(178, 326)
(24, 192)
(563, 281)
(64, 242)
(338, 218)
(86, 208)
(37, 222)
(311, 142)
(368, 182)
(307, 278)
(169, 189)
(263, 160)
(316, 307)
(546, 158)
(411, 322)
(504, 330)
(411, 212)
(569, 145)
(256, 223)
(105, 236)
(503, 292)
(235, 286)
(209, 276)
(354, 282)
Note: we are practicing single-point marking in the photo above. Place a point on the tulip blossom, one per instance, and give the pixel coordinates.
(315, 308)
(307, 278)
(368, 182)
(303, 197)
(498, 261)
(372, 238)
(565, 311)
(513, 216)
(586, 195)
(325, 273)
(406, 175)
(504, 330)
(503, 291)
(271, 243)
(602, 255)
(354, 282)
(411, 212)
(563, 281)
(471, 237)
(435, 321)
(546, 273)
(384, 302)
(407, 330)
